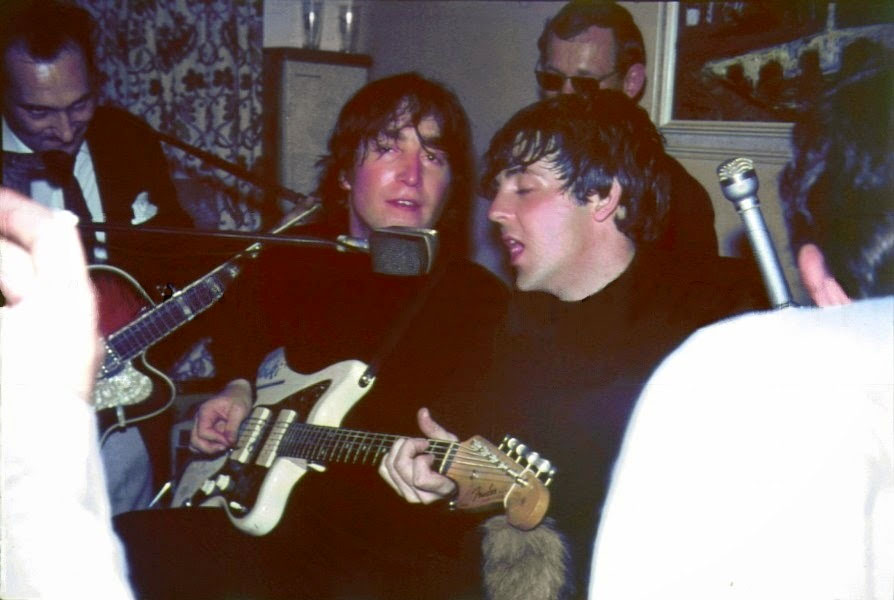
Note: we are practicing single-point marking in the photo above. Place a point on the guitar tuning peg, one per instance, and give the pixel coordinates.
(508, 443)
(546, 467)
(521, 450)
(532, 457)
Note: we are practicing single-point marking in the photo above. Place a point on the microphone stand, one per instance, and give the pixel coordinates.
(298, 240)
(231, 168)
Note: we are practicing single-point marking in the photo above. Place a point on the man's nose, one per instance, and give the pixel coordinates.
(567, 86)
(63, 127)
(411, 168)
(500, 209)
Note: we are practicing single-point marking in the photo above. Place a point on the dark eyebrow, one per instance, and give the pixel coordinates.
(43, 107)
(434, 142)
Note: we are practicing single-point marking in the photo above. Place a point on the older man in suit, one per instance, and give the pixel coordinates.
(64, 151)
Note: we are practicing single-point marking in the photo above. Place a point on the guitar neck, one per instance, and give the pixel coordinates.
(154, 325)
(317, 443)
(157, 323)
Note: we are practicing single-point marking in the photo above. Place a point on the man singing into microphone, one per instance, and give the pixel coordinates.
(399, 154)
(64, 151)
(579, 188)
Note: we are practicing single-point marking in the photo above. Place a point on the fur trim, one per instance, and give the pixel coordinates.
(524, 564)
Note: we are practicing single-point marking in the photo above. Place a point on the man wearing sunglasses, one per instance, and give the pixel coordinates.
(590, 45)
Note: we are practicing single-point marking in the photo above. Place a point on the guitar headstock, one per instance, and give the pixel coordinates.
(511, 475)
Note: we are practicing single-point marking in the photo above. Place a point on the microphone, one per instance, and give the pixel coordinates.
(397, 250)
(738, 182)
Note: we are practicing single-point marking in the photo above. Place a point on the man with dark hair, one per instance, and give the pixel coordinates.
(579, 188)
(370, 114)
(63, 150)
(399, 155)
(50, 88)
(593, 44)
(773, 478)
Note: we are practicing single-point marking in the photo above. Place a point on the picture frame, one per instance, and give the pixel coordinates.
(706, 139)
(731, 77)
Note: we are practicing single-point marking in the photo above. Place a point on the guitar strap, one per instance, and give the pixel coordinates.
(401, 323)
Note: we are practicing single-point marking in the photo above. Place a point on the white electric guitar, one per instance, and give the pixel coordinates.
(294, 427)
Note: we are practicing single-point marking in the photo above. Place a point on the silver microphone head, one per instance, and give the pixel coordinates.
(738, 179)
(396, 250)
(402, 250)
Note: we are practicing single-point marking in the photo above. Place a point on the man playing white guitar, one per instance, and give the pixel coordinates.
(579, 188)
(398, 155)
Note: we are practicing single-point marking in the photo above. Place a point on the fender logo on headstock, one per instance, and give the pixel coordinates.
(485, 494)
(510, 475)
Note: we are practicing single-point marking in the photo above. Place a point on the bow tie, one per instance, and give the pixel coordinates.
(54, 166)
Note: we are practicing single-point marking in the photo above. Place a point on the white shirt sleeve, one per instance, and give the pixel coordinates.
(754, 469)
(57, 538)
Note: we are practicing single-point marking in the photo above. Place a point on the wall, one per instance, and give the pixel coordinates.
(486, 52)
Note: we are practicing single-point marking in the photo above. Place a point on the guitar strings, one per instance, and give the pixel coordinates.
(323, 443)
(326, 438)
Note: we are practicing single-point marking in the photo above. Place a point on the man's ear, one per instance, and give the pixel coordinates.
(822, 287)
(634, 81)
(343, 182)
(605, 207)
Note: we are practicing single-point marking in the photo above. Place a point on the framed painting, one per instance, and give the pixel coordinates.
(730, 77)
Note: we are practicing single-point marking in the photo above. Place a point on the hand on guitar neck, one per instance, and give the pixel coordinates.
(408, 467)
(411, 467)
(294, 427)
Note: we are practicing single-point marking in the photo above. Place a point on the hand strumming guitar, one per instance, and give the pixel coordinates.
(408, 468)
(216, 426)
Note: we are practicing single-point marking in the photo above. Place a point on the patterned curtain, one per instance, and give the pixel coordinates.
(191, 69)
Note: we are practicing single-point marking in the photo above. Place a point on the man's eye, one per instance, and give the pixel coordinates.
(436, 157)
(80, 105)
(37, 113)
(523, 190)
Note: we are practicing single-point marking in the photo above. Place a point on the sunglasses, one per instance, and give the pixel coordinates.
(553, 82)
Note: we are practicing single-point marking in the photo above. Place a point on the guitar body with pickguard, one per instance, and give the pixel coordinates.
(136, 390)
(294, 427)
(127, 388)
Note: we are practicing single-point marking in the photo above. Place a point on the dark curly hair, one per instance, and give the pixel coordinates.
(372, 111)
(838, 189)
(590, 141)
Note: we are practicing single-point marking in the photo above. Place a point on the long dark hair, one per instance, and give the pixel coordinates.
(369, 113)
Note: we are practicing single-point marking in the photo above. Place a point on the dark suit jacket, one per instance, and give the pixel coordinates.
(128, 160)
(690, 220)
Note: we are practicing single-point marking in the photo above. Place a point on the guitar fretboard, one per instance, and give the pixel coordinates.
(331, 444)
(155, 324)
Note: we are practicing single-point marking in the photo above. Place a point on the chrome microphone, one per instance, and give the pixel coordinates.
(738, 181)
